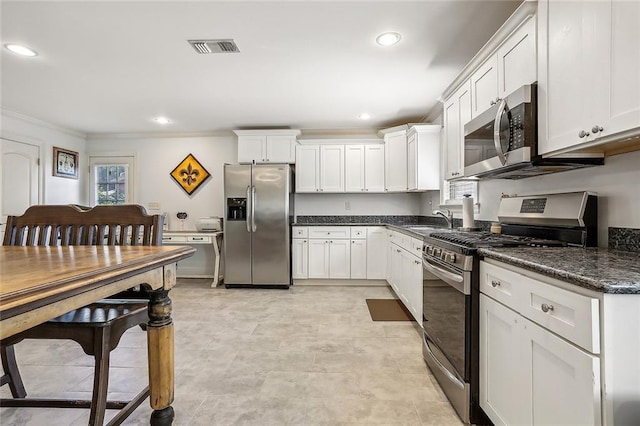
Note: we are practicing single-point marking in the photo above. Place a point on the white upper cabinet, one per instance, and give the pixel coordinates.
(267, 146)
(308, 168)
(588, 70)
(332, 168)
(364, 168)
(513, 65)
(457, 112)
(395, 164)
(423, 157)
(516, 59)
(484, 86)
(374, 168)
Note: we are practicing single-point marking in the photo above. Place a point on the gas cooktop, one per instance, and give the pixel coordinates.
(486, 239)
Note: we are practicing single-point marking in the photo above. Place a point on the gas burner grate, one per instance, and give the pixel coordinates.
(486, 239)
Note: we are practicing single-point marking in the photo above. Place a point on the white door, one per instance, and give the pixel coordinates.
(358, 259)
(300, 259)
(280, 149)
(374, 168)
(504, 392)
(376, 253)
(517, 59)
(395, 166)
(252, 148)
(339, 259)
(415, 290)
(332, 168)
(412, 162)
(19, 179)
(318, 258)
(484, 86)
(307, 168)
(354, 168)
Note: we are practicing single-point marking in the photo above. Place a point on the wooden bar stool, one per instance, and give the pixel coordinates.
(97, 327)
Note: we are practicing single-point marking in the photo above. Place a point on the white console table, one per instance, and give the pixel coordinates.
(205, 263)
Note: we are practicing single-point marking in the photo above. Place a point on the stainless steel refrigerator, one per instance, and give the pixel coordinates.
(257, 224)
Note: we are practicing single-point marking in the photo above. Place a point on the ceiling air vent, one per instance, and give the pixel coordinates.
(214, 46)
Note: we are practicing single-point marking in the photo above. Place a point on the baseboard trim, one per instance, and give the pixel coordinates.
(342, 283)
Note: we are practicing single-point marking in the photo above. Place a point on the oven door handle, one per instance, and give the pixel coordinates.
(452, 377)
(502, 109)
(454, 280)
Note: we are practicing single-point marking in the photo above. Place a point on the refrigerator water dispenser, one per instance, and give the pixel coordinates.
(236, 208)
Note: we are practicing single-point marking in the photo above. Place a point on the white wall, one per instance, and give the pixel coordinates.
(158, 156)
(53, 189)
(361, 204)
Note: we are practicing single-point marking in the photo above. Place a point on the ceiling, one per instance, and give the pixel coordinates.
(111, 67)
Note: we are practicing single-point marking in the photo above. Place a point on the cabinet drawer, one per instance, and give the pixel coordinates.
(498, 283)
(199, 239)
(338, 232)
(174, 239)
(300, 232)
(571, 315)
(416, 247)
(358, 232)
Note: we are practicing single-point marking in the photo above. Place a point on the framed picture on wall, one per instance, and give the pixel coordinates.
(65, 163)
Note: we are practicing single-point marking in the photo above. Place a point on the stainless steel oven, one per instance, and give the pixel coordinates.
(446, 343)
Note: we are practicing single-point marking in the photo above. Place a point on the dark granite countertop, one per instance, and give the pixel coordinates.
(414, 230)
(599, 269)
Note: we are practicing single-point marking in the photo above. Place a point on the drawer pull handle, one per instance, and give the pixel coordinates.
(495, 283)
(546, 308)
(198, 238)
(398, 250)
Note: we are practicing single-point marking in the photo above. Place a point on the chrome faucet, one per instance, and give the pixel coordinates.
(446, 214)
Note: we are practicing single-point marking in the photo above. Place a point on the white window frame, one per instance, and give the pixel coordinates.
(452, 191)
(106, 158)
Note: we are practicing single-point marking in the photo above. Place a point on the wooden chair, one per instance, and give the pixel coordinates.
(97, 327)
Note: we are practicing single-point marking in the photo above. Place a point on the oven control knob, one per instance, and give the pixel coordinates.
(437, 252)
(451, 258)
(443, 256)
(429, 250)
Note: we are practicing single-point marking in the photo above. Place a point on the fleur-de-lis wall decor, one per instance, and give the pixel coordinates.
(190, 174)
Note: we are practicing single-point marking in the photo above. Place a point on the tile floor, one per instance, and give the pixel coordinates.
(304, 356)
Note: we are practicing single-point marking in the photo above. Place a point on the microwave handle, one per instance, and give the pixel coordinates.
(502, 109)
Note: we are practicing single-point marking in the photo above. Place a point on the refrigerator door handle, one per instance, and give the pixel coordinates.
(249, 209)
(253, 209)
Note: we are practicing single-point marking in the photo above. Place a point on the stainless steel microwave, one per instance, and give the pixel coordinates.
(502, 142)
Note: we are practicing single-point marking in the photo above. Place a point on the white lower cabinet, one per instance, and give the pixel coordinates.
(404, 267)
(376, 252)
(358, 259)
(329, 258)
(529, 375)
(300, 258)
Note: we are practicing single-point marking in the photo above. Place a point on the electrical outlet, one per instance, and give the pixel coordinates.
(347, 205)
(154, 205)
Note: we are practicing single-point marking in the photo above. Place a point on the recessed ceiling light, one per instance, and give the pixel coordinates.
(388, 39)
(162, 120)
(21, 50)
(364, 116)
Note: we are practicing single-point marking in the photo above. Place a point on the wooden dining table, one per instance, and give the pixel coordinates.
(41, 283)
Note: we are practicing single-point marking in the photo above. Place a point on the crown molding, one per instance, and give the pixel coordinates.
(158, 135)
(38, 122)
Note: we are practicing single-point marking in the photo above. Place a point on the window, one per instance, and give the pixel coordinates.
(454, 191)
(111, 179)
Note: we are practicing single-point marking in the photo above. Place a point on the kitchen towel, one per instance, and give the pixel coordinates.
(467, 212)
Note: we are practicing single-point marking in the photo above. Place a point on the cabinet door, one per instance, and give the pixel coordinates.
(574, 54)
(564, 380)
(354, 168)
(332, 168)
(339, 259)
(624, 110)
(280, 149)
(504, 391)
(415, 289)
(358, 259)
(252, 148)
(412, 162)
(389, 275)
(300, 259)
(457, 112)
(307, 168)
(318, 258)
(395, 164)
(374, 168)
(484, 86)
(517, 59)
(376, 253)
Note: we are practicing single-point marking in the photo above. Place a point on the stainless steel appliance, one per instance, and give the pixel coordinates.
(451, 283)
(502, 141)
(258, 200)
